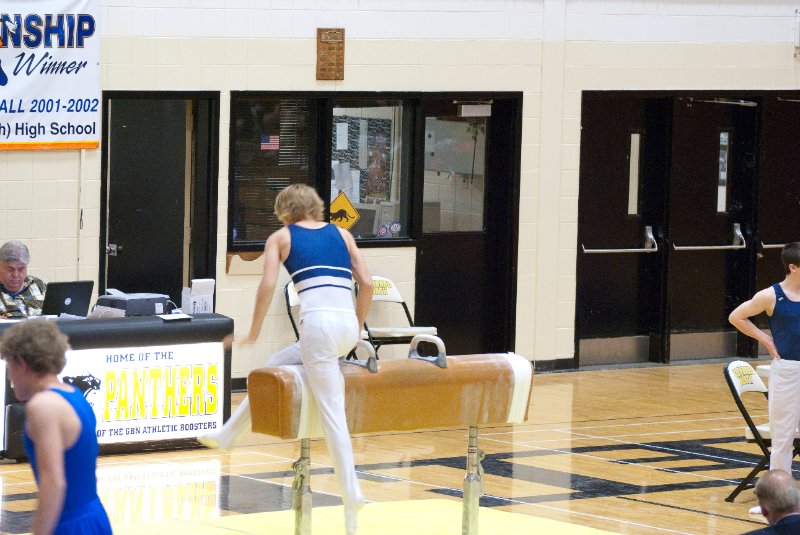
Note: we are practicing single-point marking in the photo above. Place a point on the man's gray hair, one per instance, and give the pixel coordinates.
(15, 251)
(778, 493)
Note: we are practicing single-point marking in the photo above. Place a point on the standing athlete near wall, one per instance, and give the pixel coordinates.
(781, 302)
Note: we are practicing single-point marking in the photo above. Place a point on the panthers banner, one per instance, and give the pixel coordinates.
(151, 393)
(49, 74)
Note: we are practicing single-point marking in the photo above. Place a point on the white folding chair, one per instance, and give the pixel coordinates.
(384, 290)
(743, 379)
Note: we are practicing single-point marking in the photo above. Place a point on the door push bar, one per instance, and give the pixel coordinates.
(772, 245)
(738, 243)
(650, 245)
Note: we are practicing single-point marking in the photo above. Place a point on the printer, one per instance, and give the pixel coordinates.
(133, 304)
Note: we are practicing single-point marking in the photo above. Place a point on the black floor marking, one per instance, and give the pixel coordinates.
(16, 521)
(246, 495)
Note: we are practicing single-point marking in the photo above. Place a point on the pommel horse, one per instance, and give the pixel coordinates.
(437, 392)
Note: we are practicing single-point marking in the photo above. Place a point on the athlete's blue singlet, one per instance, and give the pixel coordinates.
(785, 325)
(82, 514)
(319, 264)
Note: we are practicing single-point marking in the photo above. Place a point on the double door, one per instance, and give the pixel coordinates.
(684, 203)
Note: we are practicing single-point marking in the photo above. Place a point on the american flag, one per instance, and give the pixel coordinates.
(270, 142)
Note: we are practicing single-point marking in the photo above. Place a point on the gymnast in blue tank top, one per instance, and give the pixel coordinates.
(59, 435)
(781, 303)
(784, 324)
(322, 260)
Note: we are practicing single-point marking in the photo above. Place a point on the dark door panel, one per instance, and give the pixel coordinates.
(466, 252)
(452, 283)
(711, 191)
(778, 210)
(618, 312)
(147, 170)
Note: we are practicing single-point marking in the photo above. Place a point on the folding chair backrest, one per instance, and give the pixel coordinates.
(743, 378)
(384, 289)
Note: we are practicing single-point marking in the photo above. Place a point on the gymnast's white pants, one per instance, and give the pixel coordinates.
(784, 411)
(324, 335)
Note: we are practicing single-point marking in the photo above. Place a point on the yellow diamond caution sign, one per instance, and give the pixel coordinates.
(343, 214)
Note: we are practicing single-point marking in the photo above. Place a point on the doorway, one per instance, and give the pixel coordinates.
(159, 191)
(667, 217)
(466, 252)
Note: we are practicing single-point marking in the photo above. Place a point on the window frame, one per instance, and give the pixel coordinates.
(325, 103)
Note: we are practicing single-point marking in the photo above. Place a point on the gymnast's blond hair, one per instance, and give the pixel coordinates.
(297, 202)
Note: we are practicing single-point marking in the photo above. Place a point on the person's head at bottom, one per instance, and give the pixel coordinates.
(34, 352)
(778, 495)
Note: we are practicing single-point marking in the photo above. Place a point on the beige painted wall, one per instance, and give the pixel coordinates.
(550, 50)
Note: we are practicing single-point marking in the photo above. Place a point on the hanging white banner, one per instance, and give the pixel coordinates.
(49, 74)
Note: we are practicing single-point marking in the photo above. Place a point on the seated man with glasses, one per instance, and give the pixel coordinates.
(21, 295)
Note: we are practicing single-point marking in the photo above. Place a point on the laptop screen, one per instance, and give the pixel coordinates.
(67, 298)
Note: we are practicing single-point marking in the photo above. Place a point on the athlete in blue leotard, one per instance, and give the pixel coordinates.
(781, 302)
(59, 432)
(321, 259)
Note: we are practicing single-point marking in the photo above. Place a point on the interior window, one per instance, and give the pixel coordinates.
(455, 169)
(277, 140)
(272, 146)
(371, 168)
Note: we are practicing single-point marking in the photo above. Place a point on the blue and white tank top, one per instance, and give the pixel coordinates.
(785, 325)
(320, 267)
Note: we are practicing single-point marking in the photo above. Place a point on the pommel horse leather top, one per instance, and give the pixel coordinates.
(404, 395)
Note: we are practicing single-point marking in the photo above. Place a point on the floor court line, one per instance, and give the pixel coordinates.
(614, 419)
(707, 513)
(674, 432)
(589, 515)
(633, 424)
(691, 453)
(622, 461)
(547, 440)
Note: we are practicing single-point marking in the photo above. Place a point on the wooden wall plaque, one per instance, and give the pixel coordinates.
(330, 53)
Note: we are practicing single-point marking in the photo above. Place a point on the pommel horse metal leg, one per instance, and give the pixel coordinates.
(473, 485)
(301, 490)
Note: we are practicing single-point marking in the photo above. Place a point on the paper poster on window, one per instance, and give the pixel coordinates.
(341, 136)
(49, 74)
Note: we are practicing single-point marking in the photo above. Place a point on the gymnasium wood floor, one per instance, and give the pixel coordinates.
(635, 450)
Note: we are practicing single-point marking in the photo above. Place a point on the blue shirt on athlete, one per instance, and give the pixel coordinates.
(320, 266)
(785, 325)
(82, 513)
